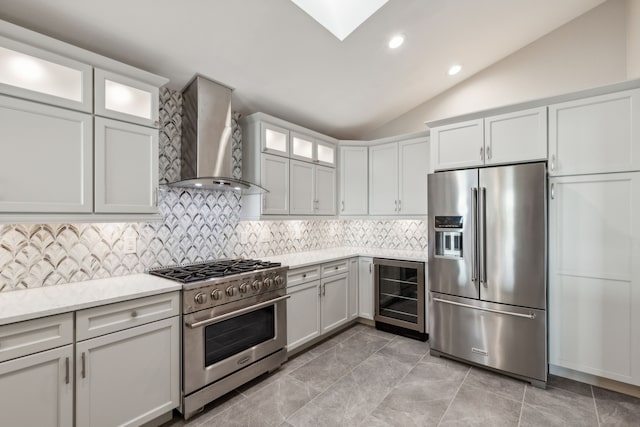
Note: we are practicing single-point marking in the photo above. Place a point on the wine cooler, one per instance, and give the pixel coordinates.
(400, 297)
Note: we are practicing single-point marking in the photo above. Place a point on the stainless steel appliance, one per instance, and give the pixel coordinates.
(234, 325)
(487, 268)
(399, 297)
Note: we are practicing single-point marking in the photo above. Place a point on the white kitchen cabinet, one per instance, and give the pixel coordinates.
(274, 139)
(46, 158)
(398, 178)
(353, 288)
(354, 186)
(36, 74)
(302, 188)
(123, 98)
(303, 314)
(458, 145)
(302, 147)
(37, 390)
(515, 137)
(594, 275)
(335, 301)
(126, 167)
(325, 153)
(365, 287)
(128, 377)
(275, 178)
(383, 179)
(325, 190)
(595, 135)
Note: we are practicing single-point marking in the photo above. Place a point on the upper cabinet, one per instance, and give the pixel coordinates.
(295, 165)
(126, 99)
(507, 138)
(398, 178)
(354, 185)
(35, 74)
(595, 135)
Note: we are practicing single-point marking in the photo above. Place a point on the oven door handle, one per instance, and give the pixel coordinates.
(245, 310)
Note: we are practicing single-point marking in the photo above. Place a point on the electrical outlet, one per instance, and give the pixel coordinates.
(129, 245)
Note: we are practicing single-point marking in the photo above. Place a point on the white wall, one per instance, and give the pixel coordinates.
(589, 51)
(633, 39)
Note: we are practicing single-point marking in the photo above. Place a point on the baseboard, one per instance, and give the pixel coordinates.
(595, 380)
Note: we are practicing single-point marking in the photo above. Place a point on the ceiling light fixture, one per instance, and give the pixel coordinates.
(396, 41)
(455, 69)
(340, 17)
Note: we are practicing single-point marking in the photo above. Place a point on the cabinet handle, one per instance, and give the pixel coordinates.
(343, 206)
(324, 290)
(399, 205)
(83, 370)
(553, 162)
(396, 208)
(155, 197)
(319, 290)
(134, 314)
(481, 153)
(553, 191)
(489, 152)
(66, 370)
(370, 265)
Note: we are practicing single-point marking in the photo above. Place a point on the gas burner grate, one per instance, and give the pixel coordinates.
(211, 270)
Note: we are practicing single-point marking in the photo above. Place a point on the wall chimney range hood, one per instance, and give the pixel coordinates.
(206, 155)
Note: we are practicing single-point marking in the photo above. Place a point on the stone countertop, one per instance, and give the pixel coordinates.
(16, 306)
(303, 259)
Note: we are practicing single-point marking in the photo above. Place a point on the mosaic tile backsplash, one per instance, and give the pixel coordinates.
(196, 226)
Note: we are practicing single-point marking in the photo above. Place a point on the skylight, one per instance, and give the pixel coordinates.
(340, 17)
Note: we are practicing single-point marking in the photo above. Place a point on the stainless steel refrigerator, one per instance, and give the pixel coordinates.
(488, 268)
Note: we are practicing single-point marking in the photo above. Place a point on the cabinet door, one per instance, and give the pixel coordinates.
(595, 135)
(37, 390)
(325, 190)
(302, 147)
(335, 302)
(594, 275)
(274, 139)
(353, 288)
(459, 145)
(275, 178)
(383, 179)
(365, 288)
(123, 98)
(39, 75)
(301, 188)
(303, 314)
(126, 163)
(130, 377)
(325, 153)
(353, 181)
(516, 137)
(46, 158)
(413, 170)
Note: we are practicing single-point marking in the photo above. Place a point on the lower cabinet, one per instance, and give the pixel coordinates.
(334, 302)
(37, 390)
(365, 287)
(353, 288)
(303, 314)
(129, 377)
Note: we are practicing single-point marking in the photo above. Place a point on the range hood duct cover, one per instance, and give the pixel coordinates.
(206, 155)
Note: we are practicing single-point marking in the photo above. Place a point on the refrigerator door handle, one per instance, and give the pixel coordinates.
(510, 313)
(482, 220)
(474, 234)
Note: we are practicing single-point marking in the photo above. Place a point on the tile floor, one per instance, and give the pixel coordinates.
(365, 377)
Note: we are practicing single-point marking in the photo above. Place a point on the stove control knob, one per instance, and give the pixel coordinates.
(244, 288)
(268, 283)
(279, 281)
(231, 291)
(216, 294)
(200, 298)
(255, 285)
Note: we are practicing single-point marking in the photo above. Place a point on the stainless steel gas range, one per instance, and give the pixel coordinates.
(234, 325)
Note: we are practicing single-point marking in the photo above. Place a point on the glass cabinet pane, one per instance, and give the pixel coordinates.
(126, 99)
(302, 147)
(275, 140)
(326, 153)
(398, 293)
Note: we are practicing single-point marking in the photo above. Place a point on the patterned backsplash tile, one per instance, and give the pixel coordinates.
(196, 226)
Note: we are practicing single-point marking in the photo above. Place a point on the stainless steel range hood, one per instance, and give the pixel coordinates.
(206, 158)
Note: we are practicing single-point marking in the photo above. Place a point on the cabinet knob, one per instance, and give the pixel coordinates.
(134, 314)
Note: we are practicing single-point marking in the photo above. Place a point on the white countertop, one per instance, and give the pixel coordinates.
(16, 306)
(303, 259)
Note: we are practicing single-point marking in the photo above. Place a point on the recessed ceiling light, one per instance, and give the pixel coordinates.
(340, 17)
(455, 69)
(396, 41)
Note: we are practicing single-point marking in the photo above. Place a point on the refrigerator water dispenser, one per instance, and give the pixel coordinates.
(448, 236)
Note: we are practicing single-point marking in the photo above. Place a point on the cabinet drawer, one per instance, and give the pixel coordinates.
(302, 275)
(334, 268)
(105, 319)
(32, 336)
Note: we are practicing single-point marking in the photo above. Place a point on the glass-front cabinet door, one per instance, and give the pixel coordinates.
(325, 153)
(35, 74)
(274, 139)
(302, 147)
(126, 99)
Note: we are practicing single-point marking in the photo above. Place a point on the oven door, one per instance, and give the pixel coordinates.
(222, 340)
